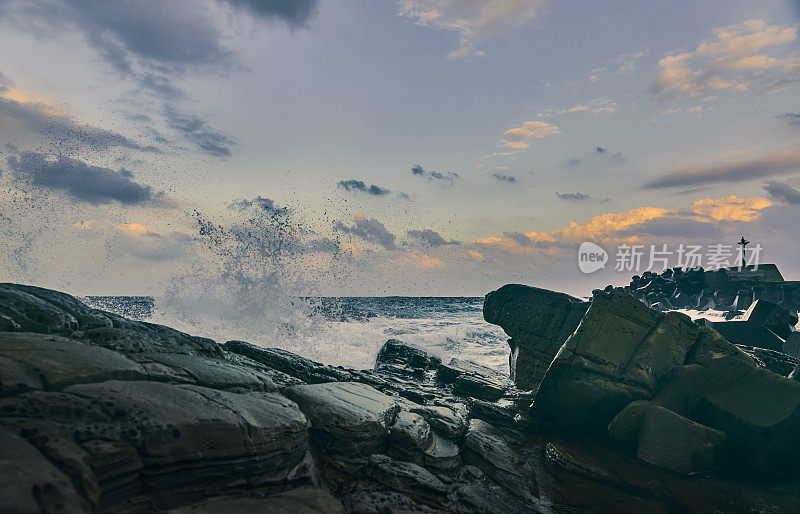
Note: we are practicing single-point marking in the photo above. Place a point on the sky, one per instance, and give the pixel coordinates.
(409, 147)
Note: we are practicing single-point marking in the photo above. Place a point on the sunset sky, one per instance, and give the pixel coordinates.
(411, 147)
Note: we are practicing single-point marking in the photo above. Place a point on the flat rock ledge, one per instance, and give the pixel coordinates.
(103, 414)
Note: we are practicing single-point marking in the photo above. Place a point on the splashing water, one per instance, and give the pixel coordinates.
(248, 286)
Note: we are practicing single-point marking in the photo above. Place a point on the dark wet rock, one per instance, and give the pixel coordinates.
(476, 492)
(407, 478)
(619, 354)
(380, 502)
(473, 380)
(538, 322)
(289, 363)
(489, 449)
(776, 362)
(792, 345)
(448, 421)
(406, 357)
(134, 417)
(187, 423)
(348, 419)
(442, 455)
(31, 483)
(411, 431)
(764, 325)
(38, 361)
(667, 439)
(303, 500)
(508, 412)
(205, 371)
(34, 309)
(478, 386)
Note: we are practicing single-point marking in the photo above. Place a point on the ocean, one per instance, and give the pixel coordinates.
(346, 331)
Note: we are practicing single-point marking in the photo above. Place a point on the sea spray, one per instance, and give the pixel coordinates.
(250, 283)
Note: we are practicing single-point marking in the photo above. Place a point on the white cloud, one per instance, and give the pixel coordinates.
(520, 138)
(475, 21)
(730, 61)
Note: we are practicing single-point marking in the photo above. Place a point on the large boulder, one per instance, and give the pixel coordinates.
(38, 361)
(39, 310)
(396, 355)
(620, 353)
(667, 439)
(473, 380)
(31, 482)
(490, 450)
(287, 362)
(349, 420)
(765, 324)
(538, 322)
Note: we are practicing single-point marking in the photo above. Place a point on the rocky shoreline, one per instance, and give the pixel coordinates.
(612, 406)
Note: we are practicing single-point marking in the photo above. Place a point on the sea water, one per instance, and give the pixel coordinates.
(346, 331)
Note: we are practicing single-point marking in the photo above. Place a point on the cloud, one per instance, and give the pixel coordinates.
(138, 240)
(511, 179)
(783, 192)
(264, 204)
(157, 44)
(450, 176)
(573, 197)
(475, 21)
(624, 63)
(430, 238)
(358, 185)
(519, 238)
(151, 40)
(783, 161)
(370, 230)
(209, 140)
(520, 138)
(295, 13)
(596, 106)
(700, 217)
(59, 128)
(731, 61)
(599, 153)
(791, 118)
(81, 181)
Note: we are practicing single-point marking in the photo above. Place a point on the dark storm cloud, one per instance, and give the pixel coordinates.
(573, 197)
(791, 118)
(511, 179)
(295, 13)
(209, 140)
(520, 238)
(370, 230)
(358, 185)
(62, 130)
(151, 40)
(778, 162)
(155, 42)
(430, 237)
(83, 182)
(265, 204)
(783, 192)
(450, 176)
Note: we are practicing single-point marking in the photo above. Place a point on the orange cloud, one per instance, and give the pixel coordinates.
(617, 226)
